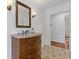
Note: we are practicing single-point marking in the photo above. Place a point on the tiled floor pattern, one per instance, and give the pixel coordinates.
(52, 52)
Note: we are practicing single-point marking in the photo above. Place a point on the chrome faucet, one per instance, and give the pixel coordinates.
(22, 32)
(26, 31)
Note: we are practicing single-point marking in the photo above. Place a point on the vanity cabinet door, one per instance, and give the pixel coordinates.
(25, 48)
(36, 47)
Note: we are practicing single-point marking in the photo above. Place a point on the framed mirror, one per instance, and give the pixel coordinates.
(23, 15)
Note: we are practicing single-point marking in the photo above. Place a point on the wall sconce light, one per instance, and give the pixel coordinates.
(9, 4)
(33, 14)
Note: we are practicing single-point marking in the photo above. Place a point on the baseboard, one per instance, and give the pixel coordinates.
(58, 44)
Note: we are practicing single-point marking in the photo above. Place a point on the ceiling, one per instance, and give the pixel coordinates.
(47, 3)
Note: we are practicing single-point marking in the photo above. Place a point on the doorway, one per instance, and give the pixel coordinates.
(60, 30)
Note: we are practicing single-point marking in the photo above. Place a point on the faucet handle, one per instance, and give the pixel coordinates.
(26, 31)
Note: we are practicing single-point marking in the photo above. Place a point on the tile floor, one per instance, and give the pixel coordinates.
(52, 52)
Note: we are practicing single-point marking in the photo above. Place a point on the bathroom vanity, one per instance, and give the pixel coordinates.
(26, 46)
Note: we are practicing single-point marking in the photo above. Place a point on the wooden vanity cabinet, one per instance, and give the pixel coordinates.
(26, 48)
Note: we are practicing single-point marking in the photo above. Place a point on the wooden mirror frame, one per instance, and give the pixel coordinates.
(22, 26)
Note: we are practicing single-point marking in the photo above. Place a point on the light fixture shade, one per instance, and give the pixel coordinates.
(33, 13)
(9, 4)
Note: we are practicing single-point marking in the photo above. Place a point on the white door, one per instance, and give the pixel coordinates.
(58, 27)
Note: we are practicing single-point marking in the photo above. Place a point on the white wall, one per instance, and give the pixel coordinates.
(11, 22)
(67, 25)
(51, 11)
(58, 27)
